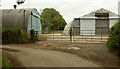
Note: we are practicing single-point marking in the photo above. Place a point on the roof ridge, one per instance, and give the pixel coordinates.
(101, 10)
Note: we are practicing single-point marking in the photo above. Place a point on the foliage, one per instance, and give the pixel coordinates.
(52, 20)
(4, 62)
(114, 39)
(13, 35)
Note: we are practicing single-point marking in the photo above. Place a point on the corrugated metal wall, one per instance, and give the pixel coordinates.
(16, 18)
(87, 27)
(76, 27)
(113, 22)
(102, 26)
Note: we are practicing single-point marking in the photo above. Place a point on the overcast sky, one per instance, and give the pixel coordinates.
(69, 9)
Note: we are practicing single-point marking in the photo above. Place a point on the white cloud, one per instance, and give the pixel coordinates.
(68, 8)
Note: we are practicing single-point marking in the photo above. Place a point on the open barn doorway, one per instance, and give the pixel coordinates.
(102, 23)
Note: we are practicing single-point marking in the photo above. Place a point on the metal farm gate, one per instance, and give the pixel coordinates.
(72, 37)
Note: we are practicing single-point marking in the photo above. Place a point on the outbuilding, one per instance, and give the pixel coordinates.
(97, 22)
(26, 19)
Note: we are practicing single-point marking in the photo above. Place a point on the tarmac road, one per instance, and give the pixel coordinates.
(30, 57)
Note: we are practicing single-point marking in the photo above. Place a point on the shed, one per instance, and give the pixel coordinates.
(96, 22)
(26, 19)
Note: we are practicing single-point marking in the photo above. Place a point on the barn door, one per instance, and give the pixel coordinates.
(102, 26)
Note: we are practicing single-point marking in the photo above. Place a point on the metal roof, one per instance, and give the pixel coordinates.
(88, 17)
(15, 17)
(102, 10)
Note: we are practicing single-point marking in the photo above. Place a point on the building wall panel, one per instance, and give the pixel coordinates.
(113, 22)
(87, 27)
(39, 27)
(34, 23)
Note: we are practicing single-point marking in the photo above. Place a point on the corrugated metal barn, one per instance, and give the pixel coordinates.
(96, 22)
(26, 19)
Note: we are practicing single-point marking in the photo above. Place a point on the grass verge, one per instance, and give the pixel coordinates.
(5, 63)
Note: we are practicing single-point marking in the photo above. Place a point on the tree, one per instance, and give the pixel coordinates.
(52, 20)
(114, 39)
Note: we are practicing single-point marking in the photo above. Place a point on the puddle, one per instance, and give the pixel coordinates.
(73, 48)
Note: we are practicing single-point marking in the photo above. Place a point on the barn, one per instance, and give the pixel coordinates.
(97, 22)
(26, 19)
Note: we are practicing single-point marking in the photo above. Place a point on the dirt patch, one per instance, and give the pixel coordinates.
(10, 50)
(12, 60)
(94, 52)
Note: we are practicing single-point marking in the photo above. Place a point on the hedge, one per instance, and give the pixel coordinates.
(13, 35)
(114, 39)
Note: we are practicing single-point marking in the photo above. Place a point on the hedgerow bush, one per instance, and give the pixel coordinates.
(13, 35)
(114, 39)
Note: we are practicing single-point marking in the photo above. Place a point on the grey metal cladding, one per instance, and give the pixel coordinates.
(102, 10)
(14, 17)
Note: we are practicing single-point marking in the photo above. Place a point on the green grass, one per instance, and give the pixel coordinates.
(5, 62)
